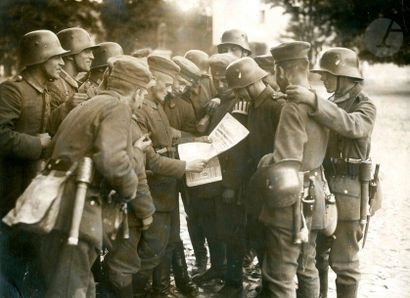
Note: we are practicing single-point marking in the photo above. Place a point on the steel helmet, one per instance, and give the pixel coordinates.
(279, 183)
(105, 51)
(235, 37)
(244, 72)
(339, 62)
(38, 46)
(76, 40)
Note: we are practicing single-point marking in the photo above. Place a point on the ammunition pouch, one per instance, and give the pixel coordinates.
(343, 167)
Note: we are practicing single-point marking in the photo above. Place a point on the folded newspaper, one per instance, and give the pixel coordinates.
(226, 134)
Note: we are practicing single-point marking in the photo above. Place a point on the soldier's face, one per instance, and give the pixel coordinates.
(137, 99)
(163, 86)
(52, 67)
(181, 85)
(221, 84)
(232, 49)
(330, 81)
(281, 79)
(83, 60)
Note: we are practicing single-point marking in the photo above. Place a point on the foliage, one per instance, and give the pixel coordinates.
(343, 23)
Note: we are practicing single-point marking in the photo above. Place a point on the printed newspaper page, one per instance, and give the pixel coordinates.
(226, 134)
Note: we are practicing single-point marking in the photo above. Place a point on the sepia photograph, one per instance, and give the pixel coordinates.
(204, 148)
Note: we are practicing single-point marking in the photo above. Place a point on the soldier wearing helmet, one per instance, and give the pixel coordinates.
(246, 78)
(24, 111)
(293, 217)
(235, 42)
(79, 59)
(102, 53)
(350, 116)
(224, 218)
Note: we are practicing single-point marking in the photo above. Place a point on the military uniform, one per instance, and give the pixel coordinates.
(350, 119)
(163, 185)
(263, 119)
(62, 89)
(24, 110)
(299, 138)
(181, 115)
(90, 87)
(219, 205)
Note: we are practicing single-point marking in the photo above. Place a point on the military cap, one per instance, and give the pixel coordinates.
(290, 51)
(141, 53)
(266, 62)
(105, 51)
(75, 40)
(200, 58)
(244, 72)
(189, 71)
(258, 48)
(219, 63)
(163, 64)
(129, 69)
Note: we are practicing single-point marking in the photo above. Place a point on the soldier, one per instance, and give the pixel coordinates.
(102, 53)
(80, 58)
(100, 129)
(350, 116)
(24, 111)
(206, 90)
(265, 106)
(235, 42)
(219, 204)
(267, 63)
(300, 146)
(154, 249)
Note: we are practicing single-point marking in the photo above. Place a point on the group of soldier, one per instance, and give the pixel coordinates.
(74, 99)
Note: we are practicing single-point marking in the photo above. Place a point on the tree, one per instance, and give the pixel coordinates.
(17, 17)
(344, 23)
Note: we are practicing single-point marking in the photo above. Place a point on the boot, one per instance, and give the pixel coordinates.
(218, 268)
(346, 291)
(161, 284)
(231, 291)
(140, 282)
(198, 244)
(323, 276)
(180, 269)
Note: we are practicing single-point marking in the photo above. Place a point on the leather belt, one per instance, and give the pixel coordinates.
(344, 167)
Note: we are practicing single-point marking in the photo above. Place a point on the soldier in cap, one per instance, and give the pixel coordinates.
(292, 219)
(219, 205)
(350, 116)
(102, 53)
(206, 90)
(24, 111)
(246, 78)
(155, 251)
(100, 128)
(267, 63)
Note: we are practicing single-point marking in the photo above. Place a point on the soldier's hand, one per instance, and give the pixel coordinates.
(45, 140)
(76, 99)
(228, 196)
(212, 105)
(300, 94)
(146, 223)
(266, 160)
(176, 134)
(195, 166)
(143, 142)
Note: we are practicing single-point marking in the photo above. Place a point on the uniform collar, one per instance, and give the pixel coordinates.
(151, 102)
(69, 79)
(33, 82)
(352, 93)
(266, 93)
